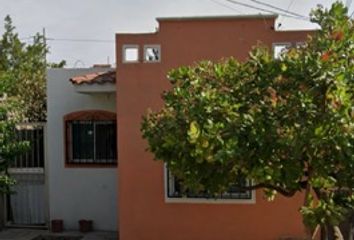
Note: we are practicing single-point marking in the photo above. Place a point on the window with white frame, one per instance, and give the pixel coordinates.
(130, 53)
(152, 53)
(300, 44)
(175, 190)
(279, 48)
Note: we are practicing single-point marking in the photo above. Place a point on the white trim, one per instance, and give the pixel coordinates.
(204, 201)
(286, 44)
(133, 46)
(26, 170)
(300, 44)
(158, 47)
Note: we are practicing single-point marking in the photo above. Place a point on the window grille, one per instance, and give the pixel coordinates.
(91, 142)
(34, 157)
(152, 53)
(175, 190)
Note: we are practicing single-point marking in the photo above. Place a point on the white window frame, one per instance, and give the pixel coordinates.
(168, 199)
(124, 56)
(300, 44)
(274, 45)
(158, 47)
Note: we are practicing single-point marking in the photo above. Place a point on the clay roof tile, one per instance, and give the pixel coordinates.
(95, 78)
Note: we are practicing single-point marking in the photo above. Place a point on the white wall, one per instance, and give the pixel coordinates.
(77, 193)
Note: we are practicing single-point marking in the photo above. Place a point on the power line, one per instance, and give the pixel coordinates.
(226, 6)
(290, 4)
(266, 10)
(72, 40)
(348, 3)
(80, 40)
(278, 8)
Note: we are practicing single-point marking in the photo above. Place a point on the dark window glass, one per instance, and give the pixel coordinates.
(92, 142)
(106, 142)
(82, 141)
(175, 190)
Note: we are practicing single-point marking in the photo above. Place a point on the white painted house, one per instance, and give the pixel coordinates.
(81, 150)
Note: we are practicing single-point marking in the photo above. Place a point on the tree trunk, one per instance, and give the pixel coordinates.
(325, 233)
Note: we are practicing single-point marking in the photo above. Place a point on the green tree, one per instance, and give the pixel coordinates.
(23, 73)
(286, 123)
(10, 147)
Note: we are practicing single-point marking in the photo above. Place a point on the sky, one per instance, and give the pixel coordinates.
(82, 31)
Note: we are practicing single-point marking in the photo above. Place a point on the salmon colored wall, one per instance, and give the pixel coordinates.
(143, 212)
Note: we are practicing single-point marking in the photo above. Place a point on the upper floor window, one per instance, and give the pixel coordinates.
(130, 53)
(152, 53)
(279, 48)
(90, 138)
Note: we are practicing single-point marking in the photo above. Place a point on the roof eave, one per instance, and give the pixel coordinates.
(220, 17)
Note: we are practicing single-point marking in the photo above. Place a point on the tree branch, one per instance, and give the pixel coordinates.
(282, 191)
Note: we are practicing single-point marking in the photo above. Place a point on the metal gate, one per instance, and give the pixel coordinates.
(28, 205)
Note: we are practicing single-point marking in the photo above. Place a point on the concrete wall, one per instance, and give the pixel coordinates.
(144, 214)
(77, 193)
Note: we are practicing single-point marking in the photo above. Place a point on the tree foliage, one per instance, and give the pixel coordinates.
(10, 147)
(23, 73)
(286, 123)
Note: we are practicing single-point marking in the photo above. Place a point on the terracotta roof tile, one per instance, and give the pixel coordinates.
(95, 78)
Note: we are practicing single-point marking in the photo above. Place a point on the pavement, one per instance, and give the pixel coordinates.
(31, 234)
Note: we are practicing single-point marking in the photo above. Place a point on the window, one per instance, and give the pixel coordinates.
(300, 44)
(279, 48)
(175, 192)
(152, 53)
(130, 53)
(91, 138)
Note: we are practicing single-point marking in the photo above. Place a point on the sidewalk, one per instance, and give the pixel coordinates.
(31, 234)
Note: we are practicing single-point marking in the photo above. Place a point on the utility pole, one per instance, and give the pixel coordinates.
(45, 46)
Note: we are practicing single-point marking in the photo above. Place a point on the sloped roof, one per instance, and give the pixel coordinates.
(95, 78)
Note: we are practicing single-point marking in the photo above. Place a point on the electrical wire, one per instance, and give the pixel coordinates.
(71, 40)
(290, 4)
(266, 10)
(348, 3)
(278, 8)
(226, 6)
(80, 40)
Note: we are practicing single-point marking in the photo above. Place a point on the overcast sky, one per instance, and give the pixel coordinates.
(73, 26)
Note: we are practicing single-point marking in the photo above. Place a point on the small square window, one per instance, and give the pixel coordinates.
(152, 53)
(279, 48)
(130, 53)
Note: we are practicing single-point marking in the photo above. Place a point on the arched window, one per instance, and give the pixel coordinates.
(90, 138)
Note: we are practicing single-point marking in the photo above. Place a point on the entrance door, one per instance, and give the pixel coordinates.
(27, 205)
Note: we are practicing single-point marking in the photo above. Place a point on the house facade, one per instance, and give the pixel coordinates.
(149, 205)
(81, 172)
